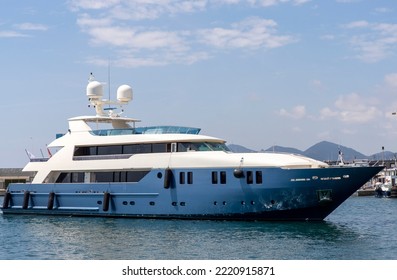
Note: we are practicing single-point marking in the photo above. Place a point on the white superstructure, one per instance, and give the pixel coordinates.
(207, 151)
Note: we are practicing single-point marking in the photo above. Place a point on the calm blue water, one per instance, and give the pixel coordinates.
(361, 228)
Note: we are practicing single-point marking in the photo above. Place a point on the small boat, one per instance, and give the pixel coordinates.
(173, 172)
(386, 183)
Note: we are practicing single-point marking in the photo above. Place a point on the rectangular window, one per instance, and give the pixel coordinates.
(159, 148)
(223, 177)
(85, 151)
(182, 147)
(73, 177)
(182, 177)
(137, 149)
(81, 151)
(117, 176)
(258, 175)
(190, 178)
(135, 176)
(104, 177)
(110, 150)
(93, 151)
(77, 177)
(250, 177)
(63, 178)
(123, 176)
(214, 177)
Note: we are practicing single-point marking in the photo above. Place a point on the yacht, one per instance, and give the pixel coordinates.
(106, 165)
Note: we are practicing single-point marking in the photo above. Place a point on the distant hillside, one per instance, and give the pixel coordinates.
(281, 149)
(240, 149)
(329, 151)
(324, 151)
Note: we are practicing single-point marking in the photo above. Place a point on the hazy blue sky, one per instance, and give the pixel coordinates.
(255, 72)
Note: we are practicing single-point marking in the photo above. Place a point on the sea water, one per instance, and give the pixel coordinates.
(361, 228)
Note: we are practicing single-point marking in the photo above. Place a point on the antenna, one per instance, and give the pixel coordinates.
(95, 92)
(109, 80)
(91, 78)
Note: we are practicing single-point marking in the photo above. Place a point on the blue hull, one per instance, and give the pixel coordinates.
(279, 194)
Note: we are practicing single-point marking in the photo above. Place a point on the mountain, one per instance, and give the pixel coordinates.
(280, 149)
(240, 149)
(324, 151)
(330, 151)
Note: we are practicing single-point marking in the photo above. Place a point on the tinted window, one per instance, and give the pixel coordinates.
(109, 150)
(259, 177)
(214, 177)
(250, 177)
(137, 149)
(223, 177)
(159, 148)
(103, 177)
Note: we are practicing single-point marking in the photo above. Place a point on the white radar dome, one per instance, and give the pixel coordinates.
(124, 93)
(94, 90)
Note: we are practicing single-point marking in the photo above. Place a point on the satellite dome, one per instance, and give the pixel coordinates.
(124, 93)
(94, 90)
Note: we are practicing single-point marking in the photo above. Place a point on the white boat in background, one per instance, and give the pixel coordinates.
(123, 170)
(386, 183)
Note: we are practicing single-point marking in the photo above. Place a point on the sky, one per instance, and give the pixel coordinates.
(256, 73)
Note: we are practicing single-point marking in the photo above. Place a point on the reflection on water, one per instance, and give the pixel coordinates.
(346, 234)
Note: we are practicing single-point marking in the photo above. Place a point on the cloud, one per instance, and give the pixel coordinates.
(351, 108)
(138, 9)
(92, 4)
(347, 1)
(31, 26)
(251, 33)
(134, 38)
(131, 60)
(125, 27)
(12, 34)
(383, 10)
(357, 24)
(268, 3)
(298, 112)
(152, 9)
(21, 30)
(391, 80)
(117, 27)
(373, 41)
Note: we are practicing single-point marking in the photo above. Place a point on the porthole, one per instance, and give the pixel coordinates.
(215, 203)
(152, 203)
(272, 201)
(132, 202)
(224, 203)
(252, 202)
(159, 175)
(183, 203)
(99, 202)
(125, 202)
(174, 203)
(242, 202)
